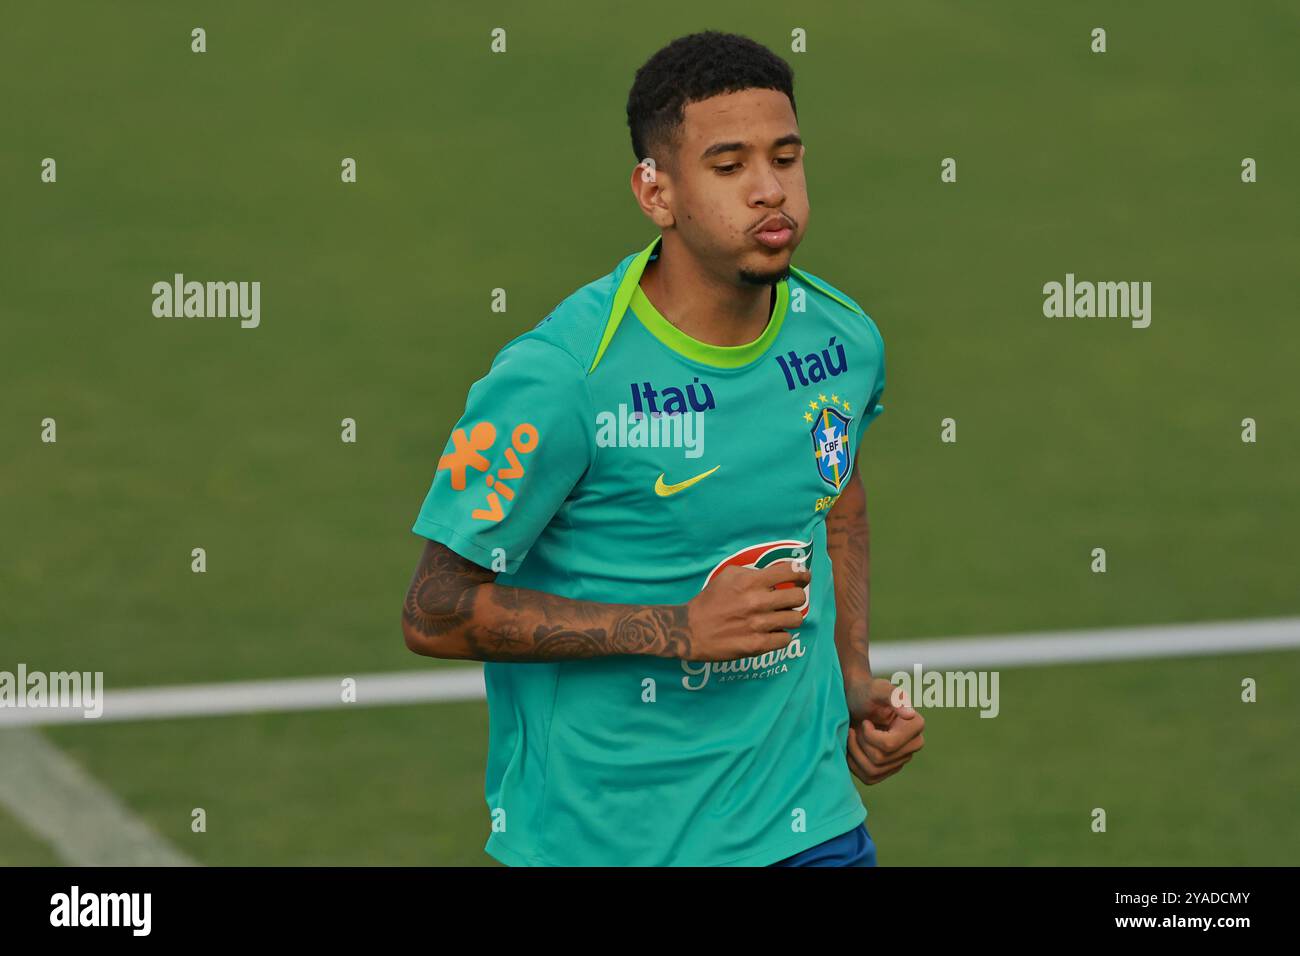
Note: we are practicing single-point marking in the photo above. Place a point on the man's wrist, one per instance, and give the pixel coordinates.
(858, 676)
(674, 632)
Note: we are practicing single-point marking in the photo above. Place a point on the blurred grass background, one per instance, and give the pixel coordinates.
(477, 171)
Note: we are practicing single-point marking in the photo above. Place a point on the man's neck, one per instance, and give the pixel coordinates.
(704, 307)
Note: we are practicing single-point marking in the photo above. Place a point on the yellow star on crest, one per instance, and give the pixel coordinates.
(812, 405)
(807, 416)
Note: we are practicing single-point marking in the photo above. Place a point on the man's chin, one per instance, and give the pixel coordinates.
(765, 276)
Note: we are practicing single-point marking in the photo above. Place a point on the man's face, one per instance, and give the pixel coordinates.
(739, 162)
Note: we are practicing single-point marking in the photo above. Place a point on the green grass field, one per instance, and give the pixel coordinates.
(477, 171)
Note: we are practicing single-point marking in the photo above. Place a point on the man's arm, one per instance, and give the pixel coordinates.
(879, 742)
(848, 542)
(454, 609)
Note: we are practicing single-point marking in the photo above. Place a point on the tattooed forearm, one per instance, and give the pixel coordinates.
(848, 542)
(440, 598)
(455, 609)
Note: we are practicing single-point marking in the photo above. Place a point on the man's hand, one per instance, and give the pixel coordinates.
(745, 612)
(884, 730)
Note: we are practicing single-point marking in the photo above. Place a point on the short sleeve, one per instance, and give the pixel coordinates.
(522, 444)
(873, 408)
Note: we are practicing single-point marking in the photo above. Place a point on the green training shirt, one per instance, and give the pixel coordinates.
(607, 456)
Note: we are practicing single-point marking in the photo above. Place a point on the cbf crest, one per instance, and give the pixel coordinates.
(830, 439)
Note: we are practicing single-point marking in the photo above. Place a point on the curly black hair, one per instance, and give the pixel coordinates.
(693, 68)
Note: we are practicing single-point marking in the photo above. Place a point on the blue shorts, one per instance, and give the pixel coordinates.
(854, 848)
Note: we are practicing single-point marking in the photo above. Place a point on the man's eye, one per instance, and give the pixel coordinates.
(729, 168)
(786, 160)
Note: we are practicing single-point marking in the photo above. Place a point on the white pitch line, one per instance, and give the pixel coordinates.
(57, 800)
(248, 697)
(466, 683)
(1218, 638)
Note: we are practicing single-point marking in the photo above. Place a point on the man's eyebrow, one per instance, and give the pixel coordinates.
(789, 139)
(717, 148)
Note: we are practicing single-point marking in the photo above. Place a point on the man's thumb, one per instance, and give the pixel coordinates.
(899, 702)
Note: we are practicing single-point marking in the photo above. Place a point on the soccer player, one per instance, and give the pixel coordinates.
(635, 521)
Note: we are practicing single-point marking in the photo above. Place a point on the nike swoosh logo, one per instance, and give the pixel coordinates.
(664, 490)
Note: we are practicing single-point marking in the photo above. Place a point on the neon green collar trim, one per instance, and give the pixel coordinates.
(629, 295)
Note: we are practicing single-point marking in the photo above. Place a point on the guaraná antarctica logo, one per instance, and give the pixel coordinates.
(796, 553)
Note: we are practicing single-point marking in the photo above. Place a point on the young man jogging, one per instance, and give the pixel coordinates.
(636, 520)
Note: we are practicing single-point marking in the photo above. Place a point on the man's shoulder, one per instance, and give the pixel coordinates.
(577, 325)
(843, 309)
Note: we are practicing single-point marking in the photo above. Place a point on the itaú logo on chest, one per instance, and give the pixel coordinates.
(774, 663)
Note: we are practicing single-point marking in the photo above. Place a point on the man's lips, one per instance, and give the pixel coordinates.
(775, 232)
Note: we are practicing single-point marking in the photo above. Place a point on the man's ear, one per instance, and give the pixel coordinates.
(650, 187)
